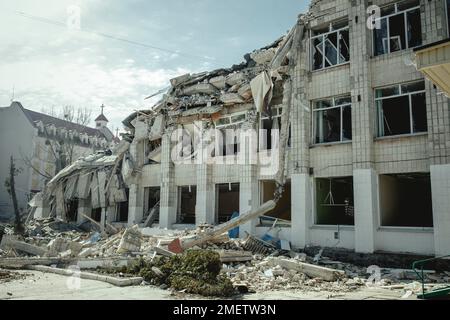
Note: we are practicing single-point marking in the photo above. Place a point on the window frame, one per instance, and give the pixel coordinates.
(387, 18)
(334, 106)
(322, 35)
(401, 94)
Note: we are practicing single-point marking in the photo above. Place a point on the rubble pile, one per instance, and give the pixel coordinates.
(195, 272)
(218, 267)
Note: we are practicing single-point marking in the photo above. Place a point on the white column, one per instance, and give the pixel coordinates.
(248, 197)
(168, 202)
(365, 186)
(135, 204)
(205, 206)
(440, 194)
(301, 209)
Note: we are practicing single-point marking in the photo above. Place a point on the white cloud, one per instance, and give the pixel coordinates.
(42, 83)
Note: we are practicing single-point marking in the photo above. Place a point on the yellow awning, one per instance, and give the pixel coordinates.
(434, 62)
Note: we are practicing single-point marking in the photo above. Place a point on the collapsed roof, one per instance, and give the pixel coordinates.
(207, 93)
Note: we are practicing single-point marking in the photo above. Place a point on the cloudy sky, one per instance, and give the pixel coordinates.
(114, 58)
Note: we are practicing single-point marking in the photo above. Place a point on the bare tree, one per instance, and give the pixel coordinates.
(11, 188)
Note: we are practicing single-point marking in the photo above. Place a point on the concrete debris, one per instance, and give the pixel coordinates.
(310, 270)
(91, 276)
(11, 242)
(131, 240)
(55, 243)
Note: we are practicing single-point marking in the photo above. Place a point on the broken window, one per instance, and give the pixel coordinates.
(400, 23)
(269, 134)
(334, 201)
(401, 109)
(405, 200)
(187, 199)
(330, 48)
(282, 209)
(333, 120)
(227, 137)
(227, 201)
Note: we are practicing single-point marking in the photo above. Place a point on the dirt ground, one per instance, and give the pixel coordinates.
(36, 285)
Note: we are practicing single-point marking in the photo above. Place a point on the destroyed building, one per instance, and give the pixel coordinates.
(39, 143)
(364, 137)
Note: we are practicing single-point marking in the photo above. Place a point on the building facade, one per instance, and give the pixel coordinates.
(40, 143)
(367, 160)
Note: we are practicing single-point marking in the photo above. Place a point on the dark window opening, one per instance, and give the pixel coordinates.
(270, 133)
(334, 201)
(396, 116)
(227, 201)
(405, 200)
(72, 209)
(333, 120)
(187, 202)
(397, 32)
(414, 31)
(96, 214)
(283, 208)
(448, 17)
(151, 203)
(344, 41)
(401, 109)
(379, 38)
(226, 142)
(122, 209)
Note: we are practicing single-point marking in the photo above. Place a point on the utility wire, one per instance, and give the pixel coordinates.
(109, 36)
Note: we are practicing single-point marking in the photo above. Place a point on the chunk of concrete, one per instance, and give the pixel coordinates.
(231, 98)
(131, 240)
(263, 56)
(178, 80)
(235, 78)
(11, 242)
(245, 91)
(205, 88)
(310, 270)
(218, 82)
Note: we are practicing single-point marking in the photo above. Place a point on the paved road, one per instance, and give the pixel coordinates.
(39, 285)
